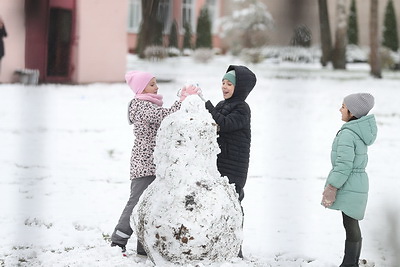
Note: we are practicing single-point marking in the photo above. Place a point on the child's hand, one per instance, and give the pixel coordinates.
(182, 94)
(192, 90)
(329, 196)
(188, 90)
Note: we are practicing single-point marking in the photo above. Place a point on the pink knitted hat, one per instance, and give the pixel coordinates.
(138, 80)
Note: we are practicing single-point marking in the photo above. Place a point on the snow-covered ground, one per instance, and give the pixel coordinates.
(65, 153)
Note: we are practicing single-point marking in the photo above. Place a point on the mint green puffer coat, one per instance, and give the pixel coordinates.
(349, 158)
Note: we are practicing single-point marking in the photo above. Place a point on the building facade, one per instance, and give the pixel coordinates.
(83, 41)
(179, 11)
(286, 14)
(68, 41)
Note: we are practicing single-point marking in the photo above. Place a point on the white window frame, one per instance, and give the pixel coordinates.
(213, 12)
(168, 20)
(134, 15)
(190, 5)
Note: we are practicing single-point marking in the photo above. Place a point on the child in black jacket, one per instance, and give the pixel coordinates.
(233, 118)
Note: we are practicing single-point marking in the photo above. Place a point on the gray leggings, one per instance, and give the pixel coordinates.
(123, 230)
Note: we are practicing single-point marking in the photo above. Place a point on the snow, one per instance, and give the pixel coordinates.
(65, 165)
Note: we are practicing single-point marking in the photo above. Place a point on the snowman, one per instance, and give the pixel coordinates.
(189, 213)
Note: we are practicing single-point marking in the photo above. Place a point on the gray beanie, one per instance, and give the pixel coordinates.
(359, 104)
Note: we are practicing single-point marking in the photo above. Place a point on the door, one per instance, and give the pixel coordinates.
(59, 43)
(60, 40)
(49, 43)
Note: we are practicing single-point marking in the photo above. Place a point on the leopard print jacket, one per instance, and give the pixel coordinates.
(146, 118)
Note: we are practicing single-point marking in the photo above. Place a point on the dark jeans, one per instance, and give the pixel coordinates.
(353, 232)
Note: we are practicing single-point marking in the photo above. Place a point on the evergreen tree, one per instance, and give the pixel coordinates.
(187, 38)
(147, 28)
(158, 35)
(203, 30)
(352, 30)
(390, 37)
(173, 35)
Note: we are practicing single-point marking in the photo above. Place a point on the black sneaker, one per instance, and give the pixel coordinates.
(123, 247)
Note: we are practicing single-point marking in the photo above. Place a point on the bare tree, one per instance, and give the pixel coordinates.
(326, 40)
(375, 60)
(339, 52)
(149, 27)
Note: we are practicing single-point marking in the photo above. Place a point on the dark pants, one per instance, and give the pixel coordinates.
(353, 232)
(123, 230)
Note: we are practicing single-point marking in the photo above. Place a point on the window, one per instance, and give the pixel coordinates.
(134, 15)
(213, 12)
(187, 13)
(164, 14)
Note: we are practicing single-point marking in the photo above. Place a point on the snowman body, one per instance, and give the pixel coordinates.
(189, 213)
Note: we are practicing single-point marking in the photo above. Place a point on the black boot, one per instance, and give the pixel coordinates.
(240, 254)
(352, 251)
(123, 247)
(139, 249)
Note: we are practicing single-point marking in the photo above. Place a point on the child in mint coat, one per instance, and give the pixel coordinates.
(346, 187)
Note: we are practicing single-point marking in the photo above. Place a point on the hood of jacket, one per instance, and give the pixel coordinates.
(365, 127)
(245, 82)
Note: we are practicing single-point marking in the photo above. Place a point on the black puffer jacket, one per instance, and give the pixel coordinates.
(233, 118)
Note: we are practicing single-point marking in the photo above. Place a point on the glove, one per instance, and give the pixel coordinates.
(188, 90)
(182, 94)
(329, 196)
(192, 90)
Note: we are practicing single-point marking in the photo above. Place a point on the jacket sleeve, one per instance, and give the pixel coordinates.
(237, 119)
(343, 163)
(152, 113)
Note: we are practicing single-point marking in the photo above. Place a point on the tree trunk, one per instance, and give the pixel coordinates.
(326, 40)
(375, 60)
(148, 27)
(339, 53)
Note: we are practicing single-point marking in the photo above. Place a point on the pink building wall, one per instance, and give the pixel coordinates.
(101, 41)
(14, 43)
(99, 49)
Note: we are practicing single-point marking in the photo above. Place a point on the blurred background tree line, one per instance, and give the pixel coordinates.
(247, 33)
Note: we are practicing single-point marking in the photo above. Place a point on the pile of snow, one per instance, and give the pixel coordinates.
(189, 213)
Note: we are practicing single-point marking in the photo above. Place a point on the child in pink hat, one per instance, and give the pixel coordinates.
(145, 113)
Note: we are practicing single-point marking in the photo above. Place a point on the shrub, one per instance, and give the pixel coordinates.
(356, 54)
(301, 36)
(173, 52)
(203, 55)
(155, 53)
(252, 55)
(387, 58)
